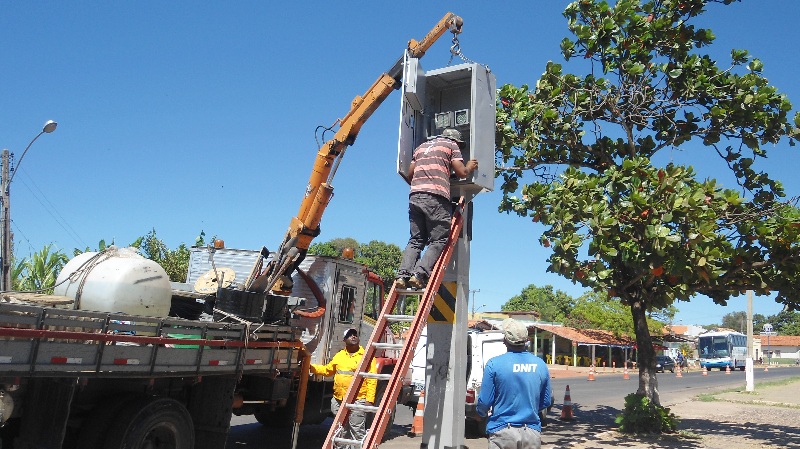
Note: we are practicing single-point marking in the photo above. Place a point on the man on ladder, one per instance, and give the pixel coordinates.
(429, 205)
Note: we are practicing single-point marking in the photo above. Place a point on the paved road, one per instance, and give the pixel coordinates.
(595, 404)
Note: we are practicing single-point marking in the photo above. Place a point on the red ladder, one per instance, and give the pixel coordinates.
(384, 410)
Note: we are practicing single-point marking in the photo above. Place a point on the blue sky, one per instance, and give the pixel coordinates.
(188, 116)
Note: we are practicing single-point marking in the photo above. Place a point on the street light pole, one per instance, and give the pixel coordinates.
(5, 197)
(473, 301)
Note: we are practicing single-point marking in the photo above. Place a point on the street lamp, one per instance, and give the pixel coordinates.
(5, 226)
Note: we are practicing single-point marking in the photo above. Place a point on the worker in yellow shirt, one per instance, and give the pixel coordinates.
(342, 366)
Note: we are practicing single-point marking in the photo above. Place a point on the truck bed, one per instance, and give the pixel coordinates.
(39, 341)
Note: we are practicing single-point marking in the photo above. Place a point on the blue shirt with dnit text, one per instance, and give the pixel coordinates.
(516, 385)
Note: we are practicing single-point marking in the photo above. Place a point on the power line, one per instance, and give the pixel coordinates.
(52, 210)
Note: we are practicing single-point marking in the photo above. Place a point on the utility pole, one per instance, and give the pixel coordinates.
(6, 252)
(5, 225)
(473, 301)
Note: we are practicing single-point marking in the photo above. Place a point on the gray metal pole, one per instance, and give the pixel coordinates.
(749, 381)
(5, 225)
(445, 382)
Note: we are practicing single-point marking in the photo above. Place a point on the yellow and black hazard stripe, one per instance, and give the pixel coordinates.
(444, 305)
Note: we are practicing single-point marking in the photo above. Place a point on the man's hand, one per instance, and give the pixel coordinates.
(472, 165)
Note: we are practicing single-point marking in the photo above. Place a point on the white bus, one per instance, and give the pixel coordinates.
(722, 350)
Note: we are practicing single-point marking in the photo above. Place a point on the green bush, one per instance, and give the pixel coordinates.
(642, 416)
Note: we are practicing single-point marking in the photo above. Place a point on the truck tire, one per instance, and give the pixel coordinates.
(151, 423)
(281, 419)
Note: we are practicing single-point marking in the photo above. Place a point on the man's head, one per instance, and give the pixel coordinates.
(350, 338)
(514, 332)
(454, 135)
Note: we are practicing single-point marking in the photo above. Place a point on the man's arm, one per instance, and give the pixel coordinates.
(325, 370)
(461, 170)
(546, 392)
(486, 397)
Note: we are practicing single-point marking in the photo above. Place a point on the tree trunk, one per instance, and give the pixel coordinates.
(646, 357)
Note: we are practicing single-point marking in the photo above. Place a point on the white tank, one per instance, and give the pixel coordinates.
(116, 280)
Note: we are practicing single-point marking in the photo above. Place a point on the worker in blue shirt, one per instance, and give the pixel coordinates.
(516, 385)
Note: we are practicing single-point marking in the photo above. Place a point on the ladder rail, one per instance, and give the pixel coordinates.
(374, 434)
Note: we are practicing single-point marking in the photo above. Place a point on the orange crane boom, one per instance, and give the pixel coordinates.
(304, 227)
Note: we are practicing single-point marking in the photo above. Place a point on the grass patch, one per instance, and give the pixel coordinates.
(689, 435)
(711, 397)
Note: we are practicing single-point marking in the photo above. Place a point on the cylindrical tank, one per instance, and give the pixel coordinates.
(116, 280)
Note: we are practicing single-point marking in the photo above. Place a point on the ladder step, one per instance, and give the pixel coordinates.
(387, 345)
(363, 408)
(376, 376)
(400, 318)
(347, 441)
(410, 291)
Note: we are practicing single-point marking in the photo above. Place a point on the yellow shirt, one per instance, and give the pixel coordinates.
(343, 365)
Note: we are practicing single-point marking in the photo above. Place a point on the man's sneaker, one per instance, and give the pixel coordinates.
(415, 282)
(400, 283)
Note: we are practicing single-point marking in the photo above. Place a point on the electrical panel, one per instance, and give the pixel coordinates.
(461, 97)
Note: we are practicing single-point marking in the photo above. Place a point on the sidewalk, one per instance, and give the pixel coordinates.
(768, 417)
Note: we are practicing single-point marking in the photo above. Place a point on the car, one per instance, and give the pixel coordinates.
(664, 363)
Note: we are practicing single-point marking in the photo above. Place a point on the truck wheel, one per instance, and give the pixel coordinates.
(282, 418)
(151, 423)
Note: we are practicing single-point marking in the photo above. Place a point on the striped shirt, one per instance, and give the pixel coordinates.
(433, 161)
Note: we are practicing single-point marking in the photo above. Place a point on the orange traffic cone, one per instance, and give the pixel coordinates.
(678, 373)
(728, 369)
(704, 370)
(416, 426)
(566, 409)
(591, 373)
(625, 373)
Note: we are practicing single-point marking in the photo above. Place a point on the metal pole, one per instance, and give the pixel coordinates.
(749, 380)
(5, 226)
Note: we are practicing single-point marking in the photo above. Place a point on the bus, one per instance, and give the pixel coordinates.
(726, 349)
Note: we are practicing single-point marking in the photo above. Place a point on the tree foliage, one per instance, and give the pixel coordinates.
(381, 258)
(738, 321)
(39, 272)
(577, 155)
(598, 311)
(175, 262)
(784, 323)
(552, 305)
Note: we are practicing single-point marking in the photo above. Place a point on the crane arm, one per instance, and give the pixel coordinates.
(304, 227)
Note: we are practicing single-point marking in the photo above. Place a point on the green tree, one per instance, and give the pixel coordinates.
(101, 246)
(381, 258)
(175, 262)
(616, 222)
(784, 323)
(324, 249)
(39, 273)
(736, 321)
(552, 305)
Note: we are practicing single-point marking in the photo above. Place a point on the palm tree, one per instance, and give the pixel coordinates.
(40, 271)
